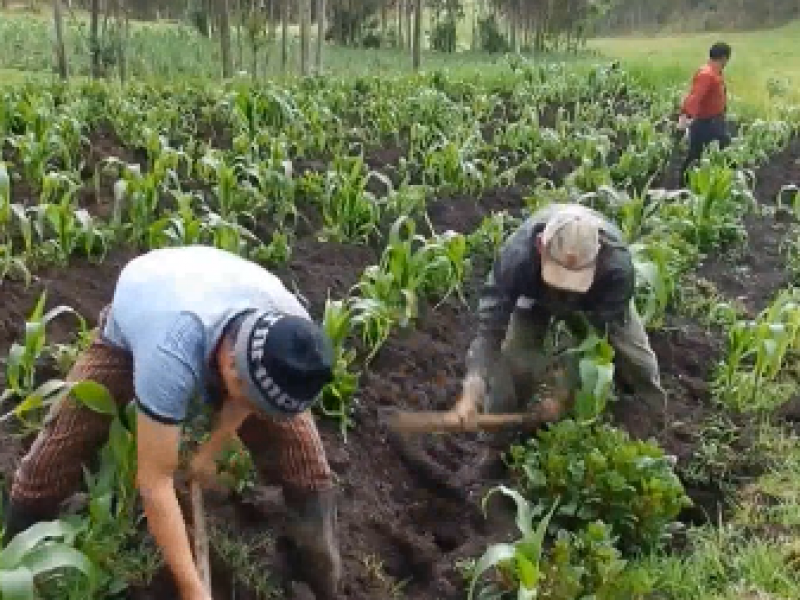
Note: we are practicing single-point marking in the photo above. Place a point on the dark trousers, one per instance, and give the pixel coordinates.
(702, 132)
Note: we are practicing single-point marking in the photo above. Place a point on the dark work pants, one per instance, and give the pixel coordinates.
(702, 132)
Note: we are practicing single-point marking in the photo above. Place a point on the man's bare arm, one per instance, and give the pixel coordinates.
(158, 458)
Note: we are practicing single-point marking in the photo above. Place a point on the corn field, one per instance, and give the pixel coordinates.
(382, 201)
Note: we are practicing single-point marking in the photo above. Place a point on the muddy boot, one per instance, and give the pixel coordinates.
(313, 530)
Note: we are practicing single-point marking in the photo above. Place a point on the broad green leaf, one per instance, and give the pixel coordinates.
(524, 518)
(15, 552)
(95, 396)
(57, 556)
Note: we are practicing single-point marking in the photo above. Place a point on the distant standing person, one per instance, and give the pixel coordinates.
(703, 110)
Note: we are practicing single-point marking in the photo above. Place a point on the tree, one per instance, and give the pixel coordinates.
(225, 38)
(320, 33)
(417, 34)
(60, 49)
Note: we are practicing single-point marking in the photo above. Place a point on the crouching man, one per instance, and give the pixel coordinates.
(565, 260)
(186, 320)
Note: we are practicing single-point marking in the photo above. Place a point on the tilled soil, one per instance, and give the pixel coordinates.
(405, 519)
(782, 170)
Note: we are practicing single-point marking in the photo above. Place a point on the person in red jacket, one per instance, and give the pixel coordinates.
(703, 110)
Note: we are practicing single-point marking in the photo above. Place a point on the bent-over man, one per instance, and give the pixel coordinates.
(186, 320)
(564, 260)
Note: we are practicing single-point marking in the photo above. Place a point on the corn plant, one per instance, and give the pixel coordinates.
(519, 562)
(336, 398)
(720, 197)
(756, 352)
(595, 375)
(183, 227)
(490, 235)
(23, 357)
(655, 281)
(111, 521)
(349, 211)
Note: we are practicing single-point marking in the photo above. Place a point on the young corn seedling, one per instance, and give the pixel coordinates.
(721, 196)
(757, 351)
(183, 227)
(337, 396)
(23, 358)
(350, 212)
(518, 563)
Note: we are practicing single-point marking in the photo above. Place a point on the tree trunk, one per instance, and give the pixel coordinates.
(400, 39)
(409, 25)
(304, 31)
(240, 30)
(273, 22)
(417, 34)
(284, 35)
(60, 50)
(225, 38)
(320, 33)
(122, 40)
(94, 40)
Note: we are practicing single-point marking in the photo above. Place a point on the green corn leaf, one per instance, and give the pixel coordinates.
(57, 556)
(15, 553)
(493, 555)
(95, 396)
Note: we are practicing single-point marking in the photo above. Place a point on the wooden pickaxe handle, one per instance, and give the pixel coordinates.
(449, 422)
(200, 534)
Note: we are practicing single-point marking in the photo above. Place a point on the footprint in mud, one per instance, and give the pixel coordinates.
(413, 556)
(428, 473)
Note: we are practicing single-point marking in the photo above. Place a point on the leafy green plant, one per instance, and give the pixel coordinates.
(350, 212)
(563, 566)
(337, 396)
(596, 472)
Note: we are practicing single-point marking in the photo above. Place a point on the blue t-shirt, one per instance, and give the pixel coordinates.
(170, 308)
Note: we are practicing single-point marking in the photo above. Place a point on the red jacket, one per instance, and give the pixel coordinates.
(707, 97)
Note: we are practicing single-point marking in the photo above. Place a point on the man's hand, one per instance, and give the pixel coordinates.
(203, 465)
(196, 594)
(683, 122)
(203, 470)
(471, 398)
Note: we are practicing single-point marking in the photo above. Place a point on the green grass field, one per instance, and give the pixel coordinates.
(764, 69)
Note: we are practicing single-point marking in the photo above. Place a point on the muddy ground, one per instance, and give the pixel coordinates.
(390, 509)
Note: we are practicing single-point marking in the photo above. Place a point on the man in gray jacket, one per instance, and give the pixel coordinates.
(565, 260)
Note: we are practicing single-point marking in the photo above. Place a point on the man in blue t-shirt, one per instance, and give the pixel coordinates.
(187, 322)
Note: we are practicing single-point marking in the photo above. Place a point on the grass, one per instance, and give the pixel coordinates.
(764, 70)
(749, 556)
